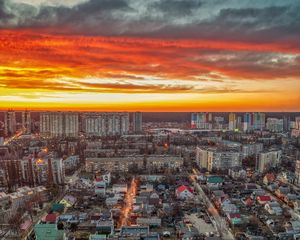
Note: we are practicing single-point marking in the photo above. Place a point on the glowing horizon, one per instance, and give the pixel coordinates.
(165, 61)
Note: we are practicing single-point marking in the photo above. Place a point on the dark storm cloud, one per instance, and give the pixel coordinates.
(176, 7)
(206, 19)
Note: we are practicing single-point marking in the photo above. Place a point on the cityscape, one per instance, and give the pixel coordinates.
(121, 175)
(149, 120)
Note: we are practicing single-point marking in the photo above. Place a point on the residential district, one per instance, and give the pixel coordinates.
(115, 175)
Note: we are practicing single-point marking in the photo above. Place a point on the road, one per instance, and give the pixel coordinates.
(219, 222)
(130, 195)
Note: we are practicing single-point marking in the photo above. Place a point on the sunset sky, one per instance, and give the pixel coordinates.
(150, 55)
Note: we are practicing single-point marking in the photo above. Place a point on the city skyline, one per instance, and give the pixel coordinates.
(155, 56)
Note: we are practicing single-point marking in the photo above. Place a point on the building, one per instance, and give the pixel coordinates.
(134, 162)
(46, 171)
(201, 121)
(26, 122)
(201, 157)
(252, 149)
(286, 123)
(254, 121)
(297, 173)
(56, 124)
(268, 159)
(296, 128)
(106, 124)
(274, 125)
(10, 124)
(259, 121)
(248, 122)
(232, 122)
(10, 174)
(45, 123)
(217, 159)
(48, 231)
(184, 192)
(59, 124)
(137, 122)
(71, 125)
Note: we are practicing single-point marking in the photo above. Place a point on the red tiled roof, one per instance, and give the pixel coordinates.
(264, 198)
(270, 177)
(248, 201)
(99, 179)
(234, 215)
(51, 218)
(183, 188)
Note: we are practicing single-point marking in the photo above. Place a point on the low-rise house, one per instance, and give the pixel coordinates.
(105, 227)
(149, 221)
(113, 200)
(228, 207)
(296, 204)
(58, 207)
(100, 187)
(184, 192)
(263, 199)
(281, 192)
(250, 186)
(269, 178)
(154, 198)
(258, 192)
(237, 173)
(120, 188)
(214, 181)
(273, 187)
(273, 208)
(292, 227)
(247, 201)
(46, 231)
(146, 187)
(234, 218)
(97, 237)
(290, 198)
(134, 231)
(68, 201)
(51, 218)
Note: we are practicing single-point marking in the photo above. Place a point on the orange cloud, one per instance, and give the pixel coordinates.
(32, 62)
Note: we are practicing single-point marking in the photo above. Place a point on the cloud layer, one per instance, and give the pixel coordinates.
(150, 47)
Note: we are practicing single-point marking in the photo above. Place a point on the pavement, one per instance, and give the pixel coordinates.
(200, 224)
(219, 221)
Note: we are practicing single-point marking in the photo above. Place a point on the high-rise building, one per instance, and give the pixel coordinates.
(259, 121)
(56, 124)
(71, 124)
(201, 121)
(252, 149)
(106, 124)
(254, 121)
(137, 122)
(248, 122)
(59, 124)
(274, 125)
(297, 173)
(286, 123)
(45, 123)
(10, 124)
(232, 122)
(26, 122)
(268, 159)
(215, 159)
(295, 127)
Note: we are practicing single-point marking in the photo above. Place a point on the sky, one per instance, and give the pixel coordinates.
(154, 55)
